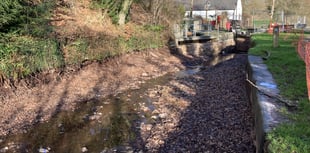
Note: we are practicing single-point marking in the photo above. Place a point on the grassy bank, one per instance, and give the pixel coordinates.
(30, 44)
(289, 73)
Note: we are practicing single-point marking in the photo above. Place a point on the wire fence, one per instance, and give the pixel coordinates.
(304, 53)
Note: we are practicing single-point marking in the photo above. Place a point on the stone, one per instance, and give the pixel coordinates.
(84, 149)
(154, 117)
(44, 150)
(163, 115)
(5, 149)
(145, 74)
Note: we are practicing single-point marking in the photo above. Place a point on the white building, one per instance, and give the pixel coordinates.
(233, 8)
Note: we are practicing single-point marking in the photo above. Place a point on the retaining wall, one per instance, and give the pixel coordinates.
(266, 109)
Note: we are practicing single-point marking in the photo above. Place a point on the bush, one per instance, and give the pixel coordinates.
(10, 11)
(25, 46)
(23, 55)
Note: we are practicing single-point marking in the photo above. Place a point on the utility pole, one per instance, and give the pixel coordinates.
(253, 21)
(207, 9)
(192, 5)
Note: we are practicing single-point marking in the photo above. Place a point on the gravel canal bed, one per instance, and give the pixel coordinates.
(208, 111)
(190, 106)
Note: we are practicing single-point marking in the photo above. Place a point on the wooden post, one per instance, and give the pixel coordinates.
(276, 32)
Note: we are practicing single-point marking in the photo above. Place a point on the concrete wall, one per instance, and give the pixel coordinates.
(256, 110)
(265, 107)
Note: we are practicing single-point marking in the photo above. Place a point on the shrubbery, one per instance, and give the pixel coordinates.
(25, 44)
(28, 42)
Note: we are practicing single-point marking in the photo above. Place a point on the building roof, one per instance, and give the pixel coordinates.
(214, 4)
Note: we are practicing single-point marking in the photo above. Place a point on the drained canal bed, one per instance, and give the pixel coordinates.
(203, 109)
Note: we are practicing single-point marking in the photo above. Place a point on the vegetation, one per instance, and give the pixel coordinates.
(259, 10)
(25, 47)
(289, 72)
(104, 46)
(117, 9)
(30, 43)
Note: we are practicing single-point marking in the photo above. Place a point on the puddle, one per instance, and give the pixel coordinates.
(105, 125)
(188, 72)
(268, 85)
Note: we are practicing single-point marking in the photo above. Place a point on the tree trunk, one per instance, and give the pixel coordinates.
(124, 12)
(156, 10)
(272, 11)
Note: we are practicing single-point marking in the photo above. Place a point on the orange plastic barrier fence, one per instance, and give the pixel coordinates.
(304, 53)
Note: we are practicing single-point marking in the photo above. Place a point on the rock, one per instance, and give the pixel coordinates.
(44, 150)
(145, 109)
(106, 102)
(154, 117)
(162, 115)
(148, 127)
(104, 151)
(5, 149)
(144, 74)
(84, 149)
(96, 116)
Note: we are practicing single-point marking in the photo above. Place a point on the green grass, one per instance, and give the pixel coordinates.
(23, 55)
(260, 23)
(289, 73)
(25, 44)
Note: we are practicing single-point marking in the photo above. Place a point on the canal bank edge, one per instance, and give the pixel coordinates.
(265, 108)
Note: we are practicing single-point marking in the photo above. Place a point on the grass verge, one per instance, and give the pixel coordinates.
(288, 71)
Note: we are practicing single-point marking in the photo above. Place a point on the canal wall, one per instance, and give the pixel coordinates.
(265, 109)
(225, 42)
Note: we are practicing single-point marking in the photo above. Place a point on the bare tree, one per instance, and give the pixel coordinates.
(156, 9)
(163, 11)
(261, 9)
(272, 10)
(125, 8)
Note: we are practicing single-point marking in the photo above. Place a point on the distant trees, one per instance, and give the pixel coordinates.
(295, 9)
(262, 8)
(304, 8)
(288, 6)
